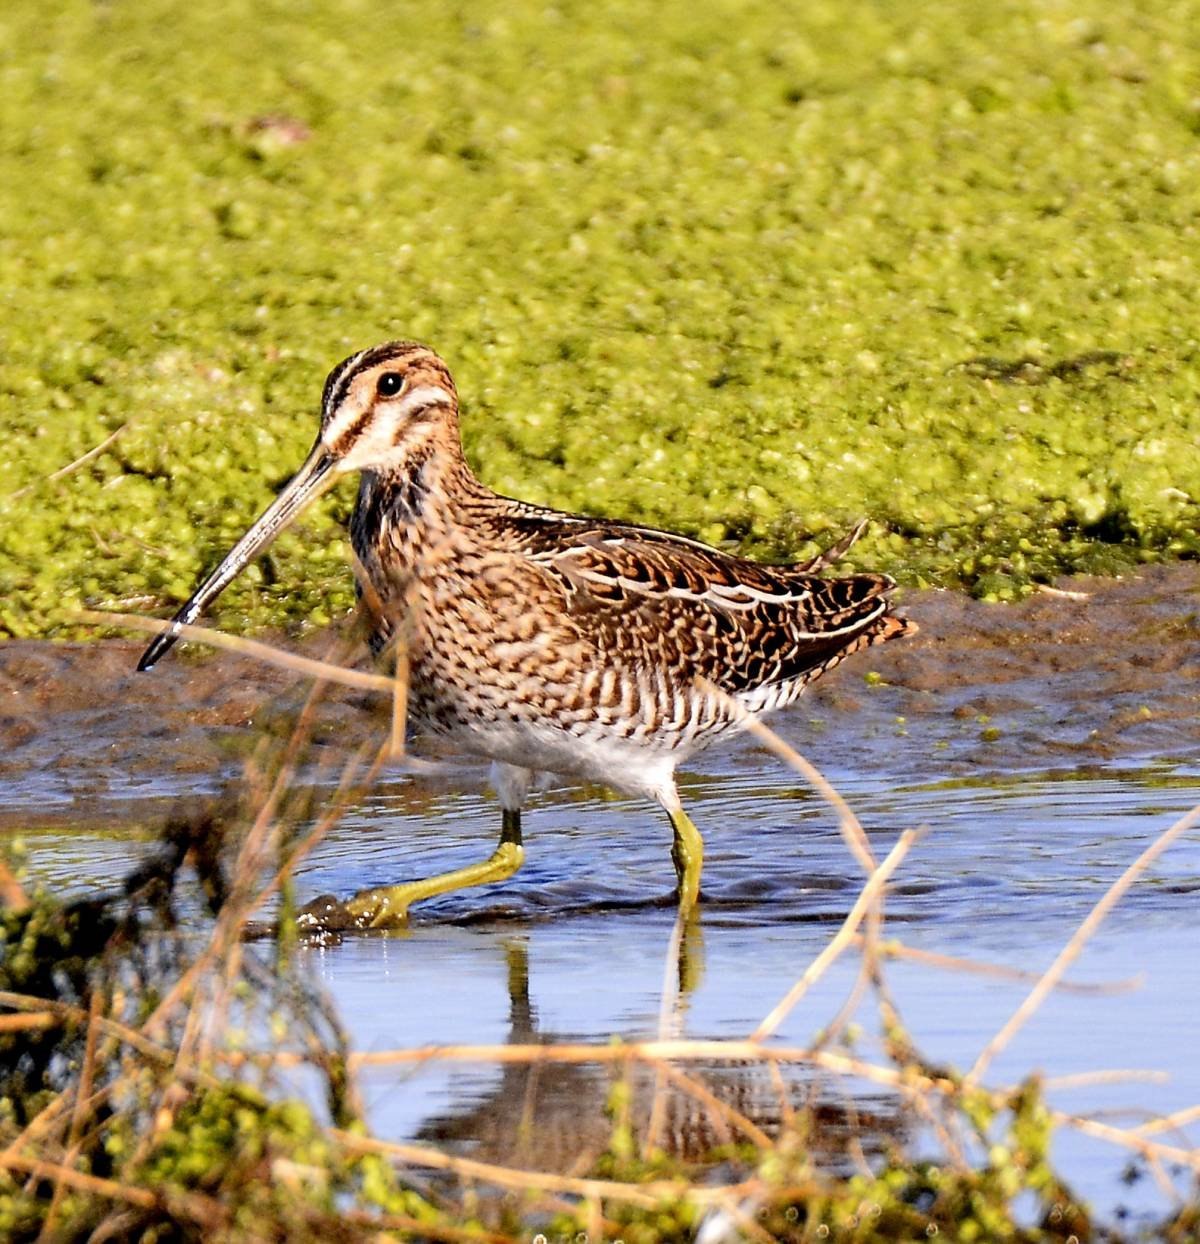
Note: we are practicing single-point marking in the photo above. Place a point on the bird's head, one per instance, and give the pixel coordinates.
(382, 411)
(383, 406)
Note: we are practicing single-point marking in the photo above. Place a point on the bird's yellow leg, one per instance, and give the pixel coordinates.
(687, 854)
(387, 906)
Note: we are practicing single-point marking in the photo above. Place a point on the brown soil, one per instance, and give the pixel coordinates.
(1057, 682)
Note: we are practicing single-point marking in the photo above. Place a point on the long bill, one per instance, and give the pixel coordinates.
(309, 482)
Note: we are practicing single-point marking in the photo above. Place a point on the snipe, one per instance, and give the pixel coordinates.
(548, 641)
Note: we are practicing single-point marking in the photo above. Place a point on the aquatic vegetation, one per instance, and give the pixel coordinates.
(747, 273)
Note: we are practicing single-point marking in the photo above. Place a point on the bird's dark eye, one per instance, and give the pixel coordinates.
(389, 384)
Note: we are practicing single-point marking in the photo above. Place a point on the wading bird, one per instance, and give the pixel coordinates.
(547, 641)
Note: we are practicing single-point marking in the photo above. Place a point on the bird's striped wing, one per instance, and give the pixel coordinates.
(743, 624)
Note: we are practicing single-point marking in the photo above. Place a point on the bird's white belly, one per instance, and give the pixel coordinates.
(632, 766)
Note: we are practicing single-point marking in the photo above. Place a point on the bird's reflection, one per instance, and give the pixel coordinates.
(562, 1117)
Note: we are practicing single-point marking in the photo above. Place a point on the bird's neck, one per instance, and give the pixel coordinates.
(405, 516)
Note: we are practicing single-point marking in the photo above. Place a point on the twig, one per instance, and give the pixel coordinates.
(841, 939)
(646, 1195)
(703, 1094)
(718, 1051)
(12, 893)
(747, 1226)
(851, 829)
(109, 1188)
(94, 452)
(1170, 1122)
(863, 979)
(247, 647)
(1129, 1138)
(32, 1022)
(894, 949)
(242, 904)
(137, 1041)
(1070, 952)
(1083, 1079)
(349, 788)
(422, 1228)
(83, 1093)
(1061, 593)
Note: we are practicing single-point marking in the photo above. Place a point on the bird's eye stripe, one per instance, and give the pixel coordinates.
(423, 398)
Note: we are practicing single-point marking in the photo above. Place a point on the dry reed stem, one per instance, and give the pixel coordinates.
(728, 1114)
(849, 825)
(594, 1210)
(349, 788)
(94, 452)
(1070, 952)
(108, 1188)
(31, 1022)
(643, 1195)
(1169, 1122)
(1061, 593)
(401, 647)
(894, 949)
(683, 1050)
(419, 1228)
(262, 839)
(369, 600)
(252, 855)
(252, 648)
(87, 1071)
(841, 939)
(1130, 1138)
(745, 1222)
(947, 1131)
(1152, 1158)
(39, 1126)
(371, 605)
(399, 698)
(646, 1195)
(12, 893)
(787, 1113)
(257, 845)
(357, 776)
(1084, 1079)
(201, 1209)
(853, 1141)
(863, 979)
(137, 1041)
(83, 1092)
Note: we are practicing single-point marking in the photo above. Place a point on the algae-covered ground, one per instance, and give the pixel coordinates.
(746, 270)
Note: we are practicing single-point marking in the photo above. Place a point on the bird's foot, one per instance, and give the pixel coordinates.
(369, 909)
(383, 908)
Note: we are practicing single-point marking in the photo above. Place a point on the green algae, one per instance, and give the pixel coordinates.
(745, 272)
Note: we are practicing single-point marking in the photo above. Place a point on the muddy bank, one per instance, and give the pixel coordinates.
(1059, 682)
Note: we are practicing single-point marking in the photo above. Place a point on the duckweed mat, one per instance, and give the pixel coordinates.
(746, 271)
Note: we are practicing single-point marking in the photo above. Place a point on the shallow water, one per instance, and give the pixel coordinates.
(1045, 746)
(1010, 866)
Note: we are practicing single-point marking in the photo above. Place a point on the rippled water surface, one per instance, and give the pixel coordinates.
(574, 946)
(1045, 746)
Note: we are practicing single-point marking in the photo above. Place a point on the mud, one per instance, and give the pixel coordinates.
(1108, 672)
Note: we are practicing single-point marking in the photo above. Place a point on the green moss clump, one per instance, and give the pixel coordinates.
(745, 274)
